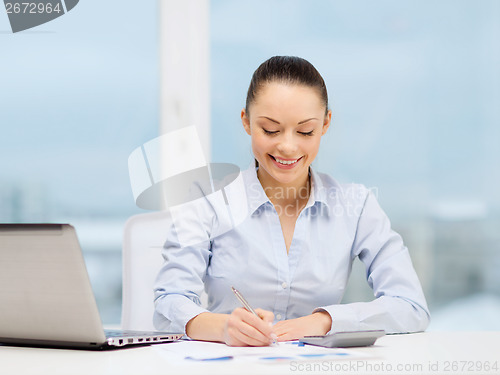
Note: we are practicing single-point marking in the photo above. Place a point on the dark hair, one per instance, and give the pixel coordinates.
(286, 69)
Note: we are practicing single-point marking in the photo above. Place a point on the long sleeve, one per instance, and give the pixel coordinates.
(179, 284)
(187, 253)
(400, 304)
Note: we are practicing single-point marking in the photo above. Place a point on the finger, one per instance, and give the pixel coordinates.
(290, 331)
(265, 315)
(256, 332)
(251, 326)
(231, 340)
(248, 335)
(234, 338)
(286, 336)
(281, 327)
(254, 321)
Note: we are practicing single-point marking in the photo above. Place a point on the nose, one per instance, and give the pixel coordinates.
(287, 145)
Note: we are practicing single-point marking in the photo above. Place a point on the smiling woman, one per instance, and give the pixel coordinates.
(293, 253)
(286, 131)
(286, 125)
(286, 115)
(289, 104)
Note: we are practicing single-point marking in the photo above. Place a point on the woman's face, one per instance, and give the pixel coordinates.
(286, 122)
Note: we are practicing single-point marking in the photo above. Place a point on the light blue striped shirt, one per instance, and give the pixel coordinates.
(338, 224)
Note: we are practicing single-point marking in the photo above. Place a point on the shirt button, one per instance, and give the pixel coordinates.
(278, 316)
(283, 285)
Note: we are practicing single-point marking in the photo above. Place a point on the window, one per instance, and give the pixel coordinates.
(78, 95)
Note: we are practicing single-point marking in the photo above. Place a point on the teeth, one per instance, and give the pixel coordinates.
(286, 162)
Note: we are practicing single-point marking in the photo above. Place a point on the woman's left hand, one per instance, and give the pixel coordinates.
(315, 324)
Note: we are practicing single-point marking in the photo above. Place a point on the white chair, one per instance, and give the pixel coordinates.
(143, 240)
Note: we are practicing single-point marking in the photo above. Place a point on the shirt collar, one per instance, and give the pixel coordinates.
(255, 193)
(318, 190)
(257, 196)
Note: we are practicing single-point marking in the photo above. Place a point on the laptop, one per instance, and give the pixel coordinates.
(46, 298)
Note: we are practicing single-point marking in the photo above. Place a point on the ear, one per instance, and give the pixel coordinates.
(246, 121)
(326, 122)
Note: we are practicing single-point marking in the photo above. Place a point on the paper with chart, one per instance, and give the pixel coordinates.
(195, 351)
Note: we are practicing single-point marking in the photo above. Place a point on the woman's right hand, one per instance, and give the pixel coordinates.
(243, 328)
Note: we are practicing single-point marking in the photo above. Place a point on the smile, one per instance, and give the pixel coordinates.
(285, 162)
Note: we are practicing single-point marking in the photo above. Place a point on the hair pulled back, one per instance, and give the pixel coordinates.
(288, 70)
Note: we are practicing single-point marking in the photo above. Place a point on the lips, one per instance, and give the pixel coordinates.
(285, 163)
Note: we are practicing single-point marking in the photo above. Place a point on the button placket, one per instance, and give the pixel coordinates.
(283, 269)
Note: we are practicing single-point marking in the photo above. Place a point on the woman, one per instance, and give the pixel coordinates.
(293, 253)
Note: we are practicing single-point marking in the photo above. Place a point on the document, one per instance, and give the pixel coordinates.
(196, 351)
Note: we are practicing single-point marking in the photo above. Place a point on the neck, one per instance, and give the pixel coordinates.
(295, 193)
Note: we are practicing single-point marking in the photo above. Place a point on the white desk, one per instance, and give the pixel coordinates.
(421, 353)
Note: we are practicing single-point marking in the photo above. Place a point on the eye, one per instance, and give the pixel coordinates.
(268, 132)
(307, 133)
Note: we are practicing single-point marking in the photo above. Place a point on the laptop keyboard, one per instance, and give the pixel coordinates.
(121, 333)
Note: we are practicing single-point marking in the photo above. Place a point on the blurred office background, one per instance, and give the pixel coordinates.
(414, 87)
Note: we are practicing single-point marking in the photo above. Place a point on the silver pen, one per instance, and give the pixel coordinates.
(246, 305)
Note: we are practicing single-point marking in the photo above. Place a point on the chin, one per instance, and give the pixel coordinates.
(286, 178)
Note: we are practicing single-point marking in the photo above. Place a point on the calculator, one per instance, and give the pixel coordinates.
(344, 339)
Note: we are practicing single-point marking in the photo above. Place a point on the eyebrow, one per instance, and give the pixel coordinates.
(309, 119)
(277, 122)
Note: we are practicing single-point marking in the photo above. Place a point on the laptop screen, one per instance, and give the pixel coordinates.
(45, 292)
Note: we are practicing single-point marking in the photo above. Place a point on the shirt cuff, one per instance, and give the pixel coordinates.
(179, 310)
(344, 318)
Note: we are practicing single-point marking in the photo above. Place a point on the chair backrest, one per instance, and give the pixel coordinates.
(143, 240)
